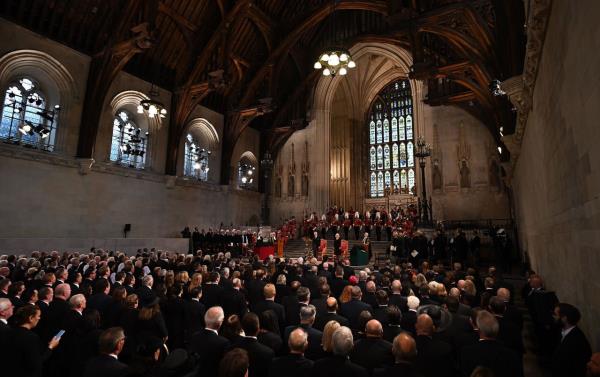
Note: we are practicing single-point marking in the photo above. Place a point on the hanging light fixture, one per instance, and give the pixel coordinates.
(152, 107)
(334, 60)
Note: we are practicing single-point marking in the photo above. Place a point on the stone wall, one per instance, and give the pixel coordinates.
(54, 195)
(557, 176)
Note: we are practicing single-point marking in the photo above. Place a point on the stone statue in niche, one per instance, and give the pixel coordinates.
(304, 185)
(291, 186)
(278, 187)
(494, 175)
(465, 175)
(437, 176)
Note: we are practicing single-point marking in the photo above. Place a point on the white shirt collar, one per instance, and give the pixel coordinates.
(566, 332)
(4, 321)
(113, 355)
(213, 330)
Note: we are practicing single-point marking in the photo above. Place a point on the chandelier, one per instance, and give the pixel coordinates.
(152, 107)
(335, 61)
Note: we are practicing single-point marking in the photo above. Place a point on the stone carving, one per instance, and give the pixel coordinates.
(278, 187)
(291, 175)
(437, 175)
(436, 161)
(463, 152)
(305, 171)
(291, 186)
(520, 89)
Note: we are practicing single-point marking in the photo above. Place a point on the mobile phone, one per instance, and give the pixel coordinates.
(59, 334)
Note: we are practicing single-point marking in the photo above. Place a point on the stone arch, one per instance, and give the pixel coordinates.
(129, 100)
(55, 80)
(205, 136)
(323, 98)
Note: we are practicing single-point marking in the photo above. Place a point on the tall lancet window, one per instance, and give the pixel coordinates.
(391, 140)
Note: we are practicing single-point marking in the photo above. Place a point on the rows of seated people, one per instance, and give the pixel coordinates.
(171, 314)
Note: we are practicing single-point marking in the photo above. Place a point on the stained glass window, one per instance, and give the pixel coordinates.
(386, 131)
(386, 156)
(392, 105)
(128, 147)
(395, 163)
(373, 158)
(26, 118)
(411, 179)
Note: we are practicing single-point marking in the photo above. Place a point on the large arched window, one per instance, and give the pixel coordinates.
(26, 118)
(391, 147)
(129, 142)
(247, 173)
(200, 141)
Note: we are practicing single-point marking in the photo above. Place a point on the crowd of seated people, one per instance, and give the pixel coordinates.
(169, 314)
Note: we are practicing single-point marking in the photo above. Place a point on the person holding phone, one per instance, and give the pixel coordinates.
(27, 352)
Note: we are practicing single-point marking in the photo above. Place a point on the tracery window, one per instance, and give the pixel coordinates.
(391, 140)
(26, 117)
(129, 142)
(196, 162)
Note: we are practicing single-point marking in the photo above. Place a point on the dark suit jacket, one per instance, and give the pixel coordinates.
(337, 366)
(399, 301)
(371, 353)
(314, 350)
(391, 331)
(493, 355)
(352, 309)
(571, 355)
(397, 370)
(279, 310)
(54, 318)
(234, 302)
(212, 295)
(322, 320)
(271, 340)
(337, 286)
(100, 302)
(434, 357)
(380, 314)
(292, 365)
(193, 312)
(26, 353)
(408, 321)
(260, 356)
(320, 304)
(105, 365)
(369, 298)
(210, 348)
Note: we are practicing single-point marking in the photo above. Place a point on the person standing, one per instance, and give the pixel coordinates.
(573, 351)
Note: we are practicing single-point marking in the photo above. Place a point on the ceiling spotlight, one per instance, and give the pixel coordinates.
(351, 64)
(317, 65)
(326, 72)
(343, 71)
(499, 149)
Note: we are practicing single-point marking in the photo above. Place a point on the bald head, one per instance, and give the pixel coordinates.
(396, 286)
(504, 294)
(298, 341)
(371, 287)
(214, 317)
(332, 305)
(374, 329)
(62, 291)
(424, 325)
(404, 348)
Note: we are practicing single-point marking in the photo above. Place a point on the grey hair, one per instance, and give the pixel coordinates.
(148, 279)
(342, 341)
(4, 304)
(413, 302)
(487, 324)
(307, 312)
(77, 300)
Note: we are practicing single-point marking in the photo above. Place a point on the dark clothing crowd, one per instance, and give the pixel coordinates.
(177, 314)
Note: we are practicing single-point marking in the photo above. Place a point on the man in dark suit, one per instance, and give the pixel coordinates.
(260, 355)
(396, 297)
(234, 300)
(320, 302)
(295, 364)
(145, 292)
(6, 311)
(269, 303)
(488, 352)
(292, 306)
(435, 358)
(208, 345)
(573, 351)
(100, 300)
(409, 319)
(311, 281)
(509, 333)
(404, 350)
(372, 352)
(512, 313)
(307, 319)
(212, 292)
(110, 345)
(330, 315)
(380, 312)
(339, 365)
(193, 313)
(369, 294)
(57, 311)
(354, 307)
(338, 282)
